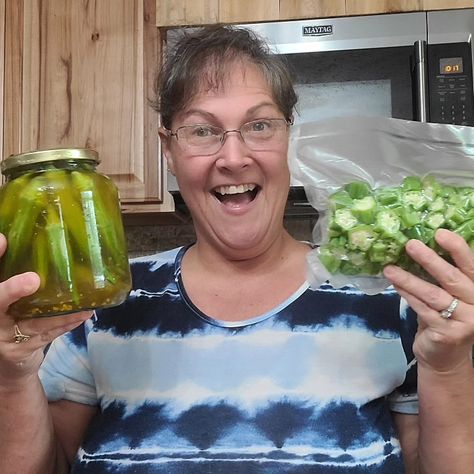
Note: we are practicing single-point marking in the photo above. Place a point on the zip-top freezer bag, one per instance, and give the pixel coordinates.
(377, 182)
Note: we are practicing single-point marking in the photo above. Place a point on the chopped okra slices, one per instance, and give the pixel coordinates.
(368, 228)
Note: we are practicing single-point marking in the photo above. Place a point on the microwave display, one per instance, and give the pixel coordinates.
(450, 66)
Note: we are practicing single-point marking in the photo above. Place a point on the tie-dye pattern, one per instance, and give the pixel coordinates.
(301, 389)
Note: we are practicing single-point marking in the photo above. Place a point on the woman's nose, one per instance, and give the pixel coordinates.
(234, 152)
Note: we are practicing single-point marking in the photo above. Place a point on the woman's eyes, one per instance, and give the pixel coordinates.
(259, 126)
(202, 131)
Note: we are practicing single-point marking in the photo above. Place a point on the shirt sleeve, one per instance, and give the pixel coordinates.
(65, 372)
(405, 398)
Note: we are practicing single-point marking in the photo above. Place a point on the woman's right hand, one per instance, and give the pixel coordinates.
(19, 362)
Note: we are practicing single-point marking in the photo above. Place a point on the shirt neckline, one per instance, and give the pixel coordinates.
(222, 323)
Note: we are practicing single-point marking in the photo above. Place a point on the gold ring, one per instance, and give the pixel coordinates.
(448, 312)
(19, 336)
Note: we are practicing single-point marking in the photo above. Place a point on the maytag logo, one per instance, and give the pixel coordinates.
(317, 30)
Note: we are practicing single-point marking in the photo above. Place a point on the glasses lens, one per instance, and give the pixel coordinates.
(263, 134)
(200, 139)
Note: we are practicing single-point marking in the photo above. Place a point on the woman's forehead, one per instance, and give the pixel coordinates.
(240, 83)
(218, 80)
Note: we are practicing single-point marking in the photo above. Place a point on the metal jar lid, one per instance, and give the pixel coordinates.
(39, 156)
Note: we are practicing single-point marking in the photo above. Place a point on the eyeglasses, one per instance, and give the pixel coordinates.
(258, 135)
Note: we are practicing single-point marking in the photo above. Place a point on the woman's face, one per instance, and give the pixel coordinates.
(237, 195)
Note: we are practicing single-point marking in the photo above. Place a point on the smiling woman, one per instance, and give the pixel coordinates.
(232, 137)
(223, 359)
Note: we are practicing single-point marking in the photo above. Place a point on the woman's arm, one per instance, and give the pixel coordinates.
(407, 429)
(27, 437)
(27, 440)
(446, 429)
(443, 348)
(71, 420)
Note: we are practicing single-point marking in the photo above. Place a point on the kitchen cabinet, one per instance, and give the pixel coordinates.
(187, 12)
(446, 4)
(365, 7)
(200, 12)
(248, 10)
(80, 73)
(295, 9)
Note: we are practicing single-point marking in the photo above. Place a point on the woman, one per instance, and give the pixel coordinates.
(222, 359)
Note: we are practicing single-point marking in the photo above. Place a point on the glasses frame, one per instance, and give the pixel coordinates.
(223, 134)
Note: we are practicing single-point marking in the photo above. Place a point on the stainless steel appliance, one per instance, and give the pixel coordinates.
(415, 66)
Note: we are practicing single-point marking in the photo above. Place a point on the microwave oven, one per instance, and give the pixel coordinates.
(413, 66)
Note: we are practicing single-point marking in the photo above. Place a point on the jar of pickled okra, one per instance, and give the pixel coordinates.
(62, 220)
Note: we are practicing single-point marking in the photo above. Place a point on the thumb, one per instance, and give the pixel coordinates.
(17, 287)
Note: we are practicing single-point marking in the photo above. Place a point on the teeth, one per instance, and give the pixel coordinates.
(241, 188)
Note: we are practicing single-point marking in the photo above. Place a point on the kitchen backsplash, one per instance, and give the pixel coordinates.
(149, 239)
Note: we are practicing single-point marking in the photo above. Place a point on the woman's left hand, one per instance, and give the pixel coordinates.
(442, 344)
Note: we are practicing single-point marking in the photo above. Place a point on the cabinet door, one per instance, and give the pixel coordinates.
(446, 4)
(244, 11)
(366, 7)
(202, 12)
(295, 9)
(186, 12)
(79, 74)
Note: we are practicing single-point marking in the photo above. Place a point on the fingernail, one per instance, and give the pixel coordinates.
(390, 271)
(413, 245)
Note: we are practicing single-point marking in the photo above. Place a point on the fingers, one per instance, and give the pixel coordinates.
(42, 331)
(459, 250)
(425, 298)
(3, 244)
(17, 287)
(455, 280)
(19, 360)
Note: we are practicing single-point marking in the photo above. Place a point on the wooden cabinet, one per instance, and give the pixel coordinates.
(248, 10)
(80, 73)
(199, 12)
(296, 9)
(365, 7)
(187, 12)
(446, 4)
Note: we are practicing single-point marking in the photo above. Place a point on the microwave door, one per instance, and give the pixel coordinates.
(450, 66)
(372, 81)
(350, 66)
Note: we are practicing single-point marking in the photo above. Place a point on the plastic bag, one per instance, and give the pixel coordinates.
(326, 155)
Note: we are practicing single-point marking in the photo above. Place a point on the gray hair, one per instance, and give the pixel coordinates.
(201, 61)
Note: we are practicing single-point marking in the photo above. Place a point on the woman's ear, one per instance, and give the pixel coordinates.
(165, 139)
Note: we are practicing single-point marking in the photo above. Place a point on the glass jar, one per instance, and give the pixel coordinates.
(62, 220)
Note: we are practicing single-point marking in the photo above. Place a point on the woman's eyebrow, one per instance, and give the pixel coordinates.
(211, 116)
(261, 105)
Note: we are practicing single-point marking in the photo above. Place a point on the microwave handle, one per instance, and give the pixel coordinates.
(421, 81)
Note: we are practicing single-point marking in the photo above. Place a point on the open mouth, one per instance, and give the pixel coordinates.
(236, 195)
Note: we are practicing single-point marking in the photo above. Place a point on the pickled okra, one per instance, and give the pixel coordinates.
(368, 228)
(62, 220)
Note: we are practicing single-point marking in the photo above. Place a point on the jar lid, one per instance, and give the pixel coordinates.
(39, 156)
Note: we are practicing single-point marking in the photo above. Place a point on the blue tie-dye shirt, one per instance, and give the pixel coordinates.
(305, 388)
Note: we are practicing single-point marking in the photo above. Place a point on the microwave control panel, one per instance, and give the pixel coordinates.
(451, 84)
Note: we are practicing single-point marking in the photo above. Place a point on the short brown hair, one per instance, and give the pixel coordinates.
(199, 61)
